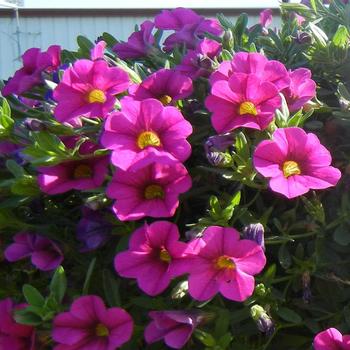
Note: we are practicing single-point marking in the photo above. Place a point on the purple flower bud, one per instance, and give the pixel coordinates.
(93, 230)
(303, 38)
(265, 325)
(262, 319)
(219, 142)
(219, 159)
(305, 279)
(33, 124)
(255, 232)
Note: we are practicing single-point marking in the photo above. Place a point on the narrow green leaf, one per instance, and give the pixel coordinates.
(88, 277)
(289, 315)
(33, 296)
(58, 284)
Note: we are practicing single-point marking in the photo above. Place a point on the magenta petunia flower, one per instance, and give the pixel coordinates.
(165, 85)
(253, 63)
(243, 101)
(153, 258)
(45, 254)
(35, 63)
(265, 18)
(89, 325)
(97, 52)
(175, 327)
(139, 43)
(220, 262)
(151, 187)
(198, 63)
(331, 339)
(301, 89)
(189, 27)
(84, 174)
(142, 126)
(295, 162)
(14, 336)
(88, 89)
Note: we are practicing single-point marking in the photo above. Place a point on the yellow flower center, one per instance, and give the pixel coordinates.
(148, 138)
(291, 168)
(82, 171)
(164, 255)
(96, 96)
(165, 99)
(153, 191)
(247, 107)
(224, 262)
(101, 330)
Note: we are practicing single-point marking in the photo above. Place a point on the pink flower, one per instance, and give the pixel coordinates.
(84, 174)
(331, 339)
(151, 187)
(220, 262)
(89, 325)
(88, 89)
(295, 162)
(139, 43)
(153, 258)
(142, 126)
(244, 100)
(301, 89)
(253, 63)
(189, 27)
(176, 327)
(165, 85)
(97, 52)
(265, 18)
(35, 63)
(14, 336)
(198, 63)
(44, 253)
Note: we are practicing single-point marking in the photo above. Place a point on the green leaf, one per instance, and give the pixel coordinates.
(33, 296)
(109, 39)
(58, 284)
(284, 256)
(25, 186)
(241, 25)
(111, 288)
(228, 211)
(26, 317)
(85, 45)
(289, 315)
(341, 37)
(88, 276)
(14, 168)
(205, 338)
(341, 235)
(224, 21)
(319, 35)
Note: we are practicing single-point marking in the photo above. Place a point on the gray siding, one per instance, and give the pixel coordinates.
(43, 29)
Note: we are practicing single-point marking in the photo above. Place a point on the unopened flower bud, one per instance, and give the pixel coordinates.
(180, 290)
(33, 124)
(260, 290)
(305, 279)
(255, 232)
(262, 319)
(303, 38)
(228, 40)
(219, 159)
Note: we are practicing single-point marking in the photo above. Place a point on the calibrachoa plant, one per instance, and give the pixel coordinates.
(185, 189)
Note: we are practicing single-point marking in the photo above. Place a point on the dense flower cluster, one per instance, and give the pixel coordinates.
(116, 139)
